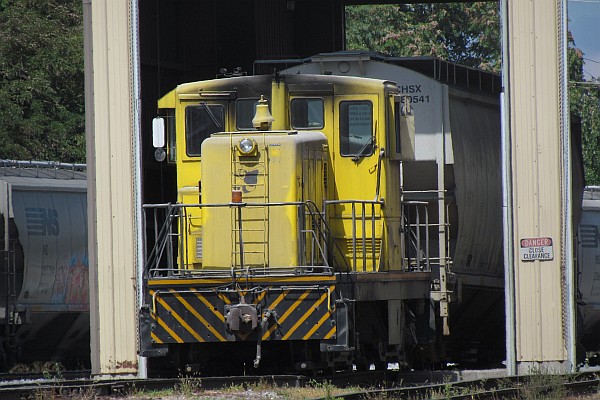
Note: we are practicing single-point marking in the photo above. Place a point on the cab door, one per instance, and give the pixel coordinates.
(355, 221)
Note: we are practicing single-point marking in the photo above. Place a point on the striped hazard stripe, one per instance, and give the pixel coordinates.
(196, 316)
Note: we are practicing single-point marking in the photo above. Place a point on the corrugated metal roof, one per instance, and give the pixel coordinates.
(444, 71)
(591, 198)
(42, 169)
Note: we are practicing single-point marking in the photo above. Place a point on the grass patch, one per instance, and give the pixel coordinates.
(543, 385)
(536, 386)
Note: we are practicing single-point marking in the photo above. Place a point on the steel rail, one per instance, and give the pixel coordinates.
(393, 385)
(512, 387)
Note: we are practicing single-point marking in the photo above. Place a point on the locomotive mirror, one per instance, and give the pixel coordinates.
(158, 132)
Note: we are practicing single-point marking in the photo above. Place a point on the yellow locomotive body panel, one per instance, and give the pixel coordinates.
(285, 169)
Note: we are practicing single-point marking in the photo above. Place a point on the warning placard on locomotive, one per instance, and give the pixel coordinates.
(536, 249)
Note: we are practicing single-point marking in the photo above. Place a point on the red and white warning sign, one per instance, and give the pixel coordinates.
(536, 249)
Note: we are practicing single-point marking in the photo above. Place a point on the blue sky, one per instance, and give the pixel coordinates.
(584, 23)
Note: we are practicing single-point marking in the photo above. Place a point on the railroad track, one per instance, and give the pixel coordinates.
(390, 385)
(76, 388)
(533, 386)
(17, 386)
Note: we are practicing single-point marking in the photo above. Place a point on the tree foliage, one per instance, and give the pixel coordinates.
(467, 33)
(41, 67)
(41, 80)
(584, 102)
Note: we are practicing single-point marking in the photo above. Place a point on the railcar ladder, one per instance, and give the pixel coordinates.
(250, 234)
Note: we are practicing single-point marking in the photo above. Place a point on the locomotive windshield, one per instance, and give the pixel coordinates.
(307, 113)
(245, 109)
(356, 128)
(200, 122)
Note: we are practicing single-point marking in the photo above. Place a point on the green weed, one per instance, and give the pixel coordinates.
(188, 385)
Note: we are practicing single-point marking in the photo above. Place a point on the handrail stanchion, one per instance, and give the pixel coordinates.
(241, 239)
(179, 241)
(418, 230)
(364, 238)
(407, 237)
(373, 234)
(354, 236)
(427, 238)
(169, 237)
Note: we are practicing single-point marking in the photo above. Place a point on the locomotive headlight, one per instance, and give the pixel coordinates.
(247, 147)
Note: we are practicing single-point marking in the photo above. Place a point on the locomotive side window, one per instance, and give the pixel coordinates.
(244, 113)
(356, 128)
(200, 121)
(307, 113)
(168, 114)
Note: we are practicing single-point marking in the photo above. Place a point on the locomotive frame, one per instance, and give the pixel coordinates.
(336, 273)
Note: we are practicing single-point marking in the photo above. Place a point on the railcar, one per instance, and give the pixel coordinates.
(457, 160)
(456, 171)
(44, 308)
(589, 271)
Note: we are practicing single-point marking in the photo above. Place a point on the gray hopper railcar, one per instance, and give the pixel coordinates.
(44, 293)
(457, 170)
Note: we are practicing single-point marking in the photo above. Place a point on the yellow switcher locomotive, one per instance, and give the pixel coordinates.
(290, 246)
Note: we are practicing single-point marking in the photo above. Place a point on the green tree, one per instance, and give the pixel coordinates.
(468, 34)
(465, 33)
(584, 102)
(41, 80)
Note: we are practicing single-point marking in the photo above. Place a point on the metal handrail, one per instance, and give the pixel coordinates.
(363, 204)
(160, 259)
(421, 260)
(317, 241)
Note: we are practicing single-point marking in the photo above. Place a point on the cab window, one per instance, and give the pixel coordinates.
(307, 113)
(200, 122)
(244, 113)
(168, 114)
(356, 128)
